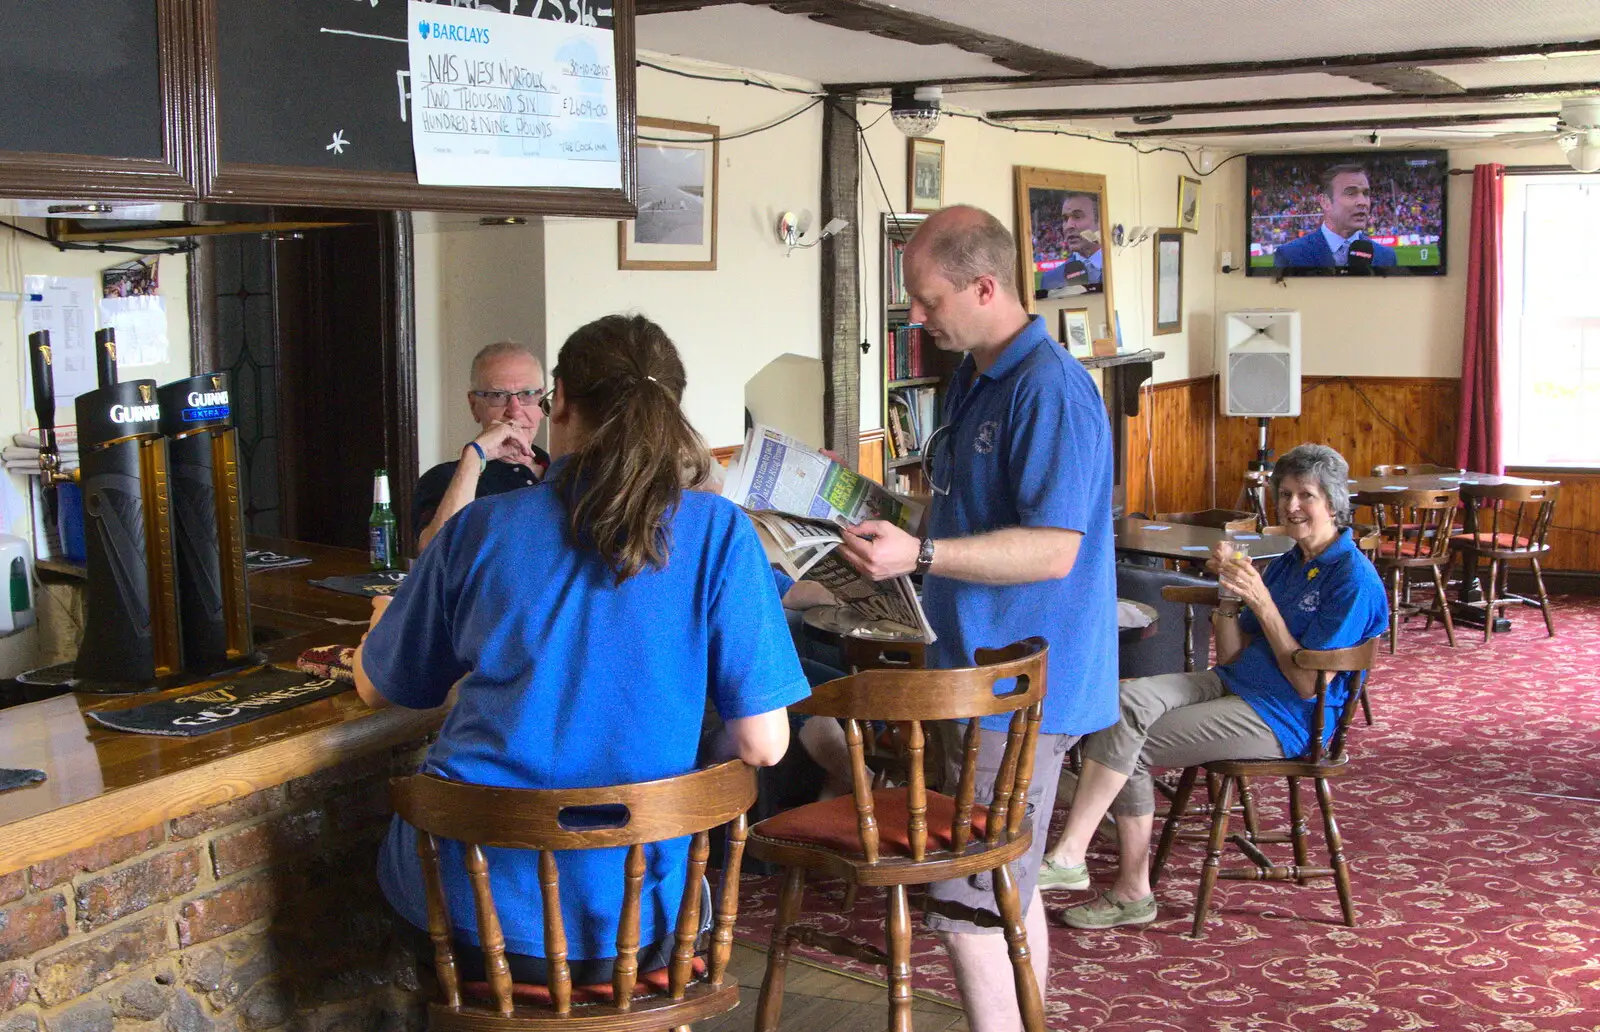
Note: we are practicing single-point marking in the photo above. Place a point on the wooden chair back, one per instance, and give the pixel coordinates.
(515, 818)
(1190, 598)
(1414, 525)
(1414, 469)
(1512, 518)
(1357, 661)
(917, 696)
(877, 654)
(1217, 519)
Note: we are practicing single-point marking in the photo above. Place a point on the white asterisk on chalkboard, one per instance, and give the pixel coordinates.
(339, 143)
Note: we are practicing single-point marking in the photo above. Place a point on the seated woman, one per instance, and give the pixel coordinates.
(590, 616)
(1254, 704)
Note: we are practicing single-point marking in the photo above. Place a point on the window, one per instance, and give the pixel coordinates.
(1550, 321)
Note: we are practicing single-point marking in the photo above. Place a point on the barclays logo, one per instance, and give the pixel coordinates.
(453, 33)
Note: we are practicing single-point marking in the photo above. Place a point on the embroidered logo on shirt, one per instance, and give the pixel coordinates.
(988, 430)
(1309, 601)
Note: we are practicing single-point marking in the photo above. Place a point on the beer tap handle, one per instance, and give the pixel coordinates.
(105, 356)
(44, 389)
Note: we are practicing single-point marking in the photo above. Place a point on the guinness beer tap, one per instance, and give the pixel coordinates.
(132, 639)
(41, 362)
(207, 523)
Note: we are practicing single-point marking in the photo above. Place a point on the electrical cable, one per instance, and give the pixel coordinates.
(725, 137)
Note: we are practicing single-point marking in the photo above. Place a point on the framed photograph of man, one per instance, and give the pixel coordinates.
(1074, 334)
(677, 223)
(1188, 204)
(924, 175)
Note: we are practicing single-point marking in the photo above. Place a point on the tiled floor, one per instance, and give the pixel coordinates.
(818, 1000)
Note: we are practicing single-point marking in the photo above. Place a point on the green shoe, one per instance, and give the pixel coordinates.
(1108, 912)
(1062, 876)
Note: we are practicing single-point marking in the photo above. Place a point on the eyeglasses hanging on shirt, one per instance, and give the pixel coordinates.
(935, 464)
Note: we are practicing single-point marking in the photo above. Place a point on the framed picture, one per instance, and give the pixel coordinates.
(924, 175)
(1188, 204)
(1169, 281)
(1075, 335)
(677, 223)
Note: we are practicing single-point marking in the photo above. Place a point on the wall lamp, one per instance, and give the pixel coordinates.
(791, 232)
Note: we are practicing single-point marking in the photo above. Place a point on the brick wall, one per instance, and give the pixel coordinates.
(258, 914)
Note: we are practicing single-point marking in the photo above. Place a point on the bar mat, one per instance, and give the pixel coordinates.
(262, 559)
(378, 582)
(58, 676)
(238, 701)
(335, 661)
(12, 777)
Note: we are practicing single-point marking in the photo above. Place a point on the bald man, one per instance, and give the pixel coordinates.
(1019, 544)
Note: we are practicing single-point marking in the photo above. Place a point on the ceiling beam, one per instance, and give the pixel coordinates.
(1343, 125)
(1475, 95)
(1243, 69)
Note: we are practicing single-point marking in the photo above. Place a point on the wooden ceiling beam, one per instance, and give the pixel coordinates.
(1474, 95)
(1343, 125)
(1340, 65)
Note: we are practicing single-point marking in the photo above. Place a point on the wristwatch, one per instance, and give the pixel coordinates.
(925, 555)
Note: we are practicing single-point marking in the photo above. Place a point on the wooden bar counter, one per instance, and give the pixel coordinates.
(220, 881)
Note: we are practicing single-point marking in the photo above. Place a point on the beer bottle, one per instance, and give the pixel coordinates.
(381, 529)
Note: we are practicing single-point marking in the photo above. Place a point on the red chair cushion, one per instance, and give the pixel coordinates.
(650, 983)
(832, 824)
(1483, 539)
(1408, 549)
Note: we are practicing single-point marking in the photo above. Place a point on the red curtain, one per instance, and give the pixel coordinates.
(1478, 423)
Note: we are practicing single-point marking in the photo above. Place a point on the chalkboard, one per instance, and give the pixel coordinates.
(323, 84)
(83, 77)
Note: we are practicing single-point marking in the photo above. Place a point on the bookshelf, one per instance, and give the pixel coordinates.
(913, 371)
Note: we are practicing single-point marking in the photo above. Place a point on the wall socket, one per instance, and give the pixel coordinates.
(1227, 259)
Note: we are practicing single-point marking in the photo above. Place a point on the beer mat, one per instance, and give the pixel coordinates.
(335, 661)
(378, 582)
(11, 777)
(58, 676)
(262, 559)
(227, 705)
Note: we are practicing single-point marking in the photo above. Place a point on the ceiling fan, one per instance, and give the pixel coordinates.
(1576, 132)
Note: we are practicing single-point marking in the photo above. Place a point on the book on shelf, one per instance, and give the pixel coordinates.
(914, 412)
(897, 273)
(799, 499)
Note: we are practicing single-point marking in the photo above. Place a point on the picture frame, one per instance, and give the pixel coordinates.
(924, 174)
(677, 223)
(1167, 306)
(1075, 335)
(1189, 204)
(1063, 240)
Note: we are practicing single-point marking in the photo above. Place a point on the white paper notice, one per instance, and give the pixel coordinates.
(1168, 280)
(503, 100)
(141, 325)
(65, 308)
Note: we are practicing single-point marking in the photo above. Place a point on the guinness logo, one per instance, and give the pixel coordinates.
(145, 394)
(44, 350)
(216, 381)
(111, 349)
(215, 695)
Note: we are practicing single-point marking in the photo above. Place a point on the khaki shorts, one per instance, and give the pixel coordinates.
(977, 891)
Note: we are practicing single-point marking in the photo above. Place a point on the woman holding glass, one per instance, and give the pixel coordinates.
(1254, 704)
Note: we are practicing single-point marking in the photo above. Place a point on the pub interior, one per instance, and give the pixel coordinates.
(262, 240)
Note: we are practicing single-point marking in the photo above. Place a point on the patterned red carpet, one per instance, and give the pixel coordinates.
(1473, 829)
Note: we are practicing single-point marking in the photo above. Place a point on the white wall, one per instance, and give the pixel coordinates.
(759, 303)
(1410, 326)
(1141, 189)
(22, 256)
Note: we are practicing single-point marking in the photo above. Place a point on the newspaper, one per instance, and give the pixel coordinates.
(798, 500)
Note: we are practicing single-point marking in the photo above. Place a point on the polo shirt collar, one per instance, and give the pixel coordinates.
(1343, 548)
(1032, 336)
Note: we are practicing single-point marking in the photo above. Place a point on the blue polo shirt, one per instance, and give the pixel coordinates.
(1030, 446)
(569, 680)
(1334, 601)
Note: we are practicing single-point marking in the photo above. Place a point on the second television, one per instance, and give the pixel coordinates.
(1377, 212)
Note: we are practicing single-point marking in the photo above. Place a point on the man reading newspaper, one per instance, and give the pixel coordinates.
(798, 499)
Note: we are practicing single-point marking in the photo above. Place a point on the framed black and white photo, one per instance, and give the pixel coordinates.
(1075, 336)
(924, 175)
(1169, 281)
(1188, 204)
(677, 223)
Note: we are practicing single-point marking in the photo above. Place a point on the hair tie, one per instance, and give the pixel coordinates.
(652, 379)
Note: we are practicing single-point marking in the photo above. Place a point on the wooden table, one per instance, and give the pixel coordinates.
(1433, 482)
(102, 783)
(1181, 541)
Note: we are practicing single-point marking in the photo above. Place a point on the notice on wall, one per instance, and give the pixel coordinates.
(141, 325)
(64, 305)
(502, 100)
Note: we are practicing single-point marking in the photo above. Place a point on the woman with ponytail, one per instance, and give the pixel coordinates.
(587, 620)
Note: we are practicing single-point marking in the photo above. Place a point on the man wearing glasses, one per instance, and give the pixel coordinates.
(1019, 543)
(507, 389)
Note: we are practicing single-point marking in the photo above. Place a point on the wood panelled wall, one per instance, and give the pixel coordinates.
(1170, 448)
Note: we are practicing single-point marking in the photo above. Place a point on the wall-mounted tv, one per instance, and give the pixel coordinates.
(1372, 212)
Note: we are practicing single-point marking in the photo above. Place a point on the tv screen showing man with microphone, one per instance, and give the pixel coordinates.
(1067, 247)
(1378, 213)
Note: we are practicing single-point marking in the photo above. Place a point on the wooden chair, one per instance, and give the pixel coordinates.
(1414, 529)
(1217, 519)
(896, 838)
(510, 818)
(1414, 469)
(1257, 485)
(1508, 523)
(1320, 764)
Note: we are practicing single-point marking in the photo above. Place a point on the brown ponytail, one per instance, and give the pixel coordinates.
(624, 375)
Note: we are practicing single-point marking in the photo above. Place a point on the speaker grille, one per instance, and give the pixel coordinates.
(1259, 384)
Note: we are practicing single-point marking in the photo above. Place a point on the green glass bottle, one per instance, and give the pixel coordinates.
(381, 527)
